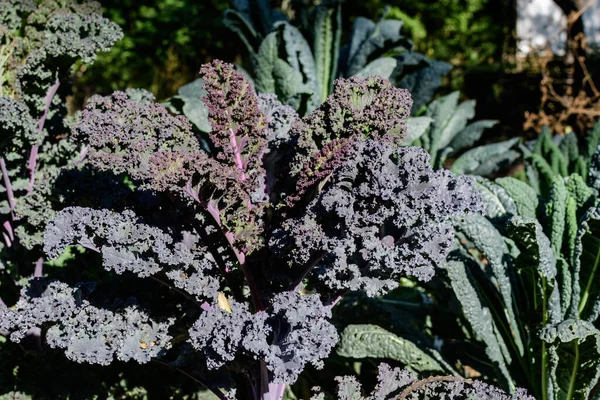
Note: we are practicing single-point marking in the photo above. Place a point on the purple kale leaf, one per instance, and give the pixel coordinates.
(399, 384)
(127, 136)
(127, 244)
(382, 212)
(88, 334)
(368, 108)
(291, 333)
(240, 218)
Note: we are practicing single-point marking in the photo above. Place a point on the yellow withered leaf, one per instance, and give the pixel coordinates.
(223, 302)
(143, 345)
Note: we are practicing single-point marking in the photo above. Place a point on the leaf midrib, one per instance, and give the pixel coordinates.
(585, 296)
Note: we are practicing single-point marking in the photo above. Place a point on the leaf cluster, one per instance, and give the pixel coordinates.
(298, 59)
(516, 302)
(250, 233)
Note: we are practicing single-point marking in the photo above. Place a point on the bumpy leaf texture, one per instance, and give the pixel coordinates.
(358, 213)
(399, 384)
(40, 41)
(369, 108)
(128, 244)
(291, 333)
(160, 151)
(383, 212)
(88, 334)
(17, 127)
(47, 38)
(124, 135)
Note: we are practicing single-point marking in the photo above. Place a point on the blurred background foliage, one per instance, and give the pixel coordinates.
(166, 41)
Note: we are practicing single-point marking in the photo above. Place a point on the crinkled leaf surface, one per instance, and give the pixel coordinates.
(574, 347)
(361, 341)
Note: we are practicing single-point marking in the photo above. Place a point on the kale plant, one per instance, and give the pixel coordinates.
(42, 44)
(516, 301)
(549, 157)
(39, 44)
(299, 59)
(445, 132)
(227, 251)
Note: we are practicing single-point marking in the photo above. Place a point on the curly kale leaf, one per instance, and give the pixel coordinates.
(124, 135)
(39, 42)
(369, 108)
(382, 213)
(160, 151)
(88, 334)
(222, 333)
(291, 333)
(17, 127)
(127, 244)
(399, 384)
(48, 38)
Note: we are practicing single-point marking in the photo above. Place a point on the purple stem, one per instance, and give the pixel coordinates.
(311, 264)
(31, 166)
(8, 186)
(82, 154)
(6, 239)
(8, 235)
(9, 230)
(34, 150)
(277, 389)
(241, 257)
(39, 264)
(238, 153)
(337, 299)
(269, 391)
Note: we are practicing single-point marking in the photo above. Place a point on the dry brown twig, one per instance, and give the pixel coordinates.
(432, 379)
(565, 102)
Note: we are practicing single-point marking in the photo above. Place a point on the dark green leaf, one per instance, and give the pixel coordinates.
(486, 160)
(326, 44)
(586, 285)
(574, 347)
(476, 312)
(486, 238)
(471, 134)
(537, 267)
(499, 205)
(383, 66)
(524, 196)
(361, 341)
(193, 106)
(422, 82)
(243, 27)
(299, 56)
(556, 213)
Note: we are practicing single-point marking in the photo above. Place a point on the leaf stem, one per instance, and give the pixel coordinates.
(588, 286)
(240, 256)
(31, 165)
(216, 392)
(309, 266)
(9, 189)
(424, 382)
